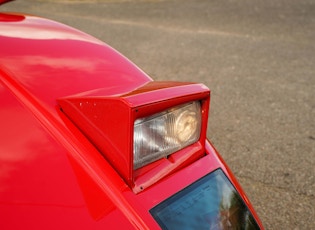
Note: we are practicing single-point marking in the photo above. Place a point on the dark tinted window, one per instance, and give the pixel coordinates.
(210, 203)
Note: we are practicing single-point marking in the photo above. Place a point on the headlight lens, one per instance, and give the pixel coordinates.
(164, 133)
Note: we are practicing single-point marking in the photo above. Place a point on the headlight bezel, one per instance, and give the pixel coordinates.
(108, 123)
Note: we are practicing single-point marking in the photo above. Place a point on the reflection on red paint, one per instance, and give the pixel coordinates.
(11, 17)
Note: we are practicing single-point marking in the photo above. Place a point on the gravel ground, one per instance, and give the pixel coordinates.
(257, 57)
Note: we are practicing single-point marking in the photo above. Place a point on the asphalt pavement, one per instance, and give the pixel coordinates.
(258, 59)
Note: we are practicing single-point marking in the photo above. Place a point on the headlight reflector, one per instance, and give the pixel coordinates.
(161, 134)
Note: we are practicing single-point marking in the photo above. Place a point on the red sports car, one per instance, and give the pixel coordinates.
(89, 141)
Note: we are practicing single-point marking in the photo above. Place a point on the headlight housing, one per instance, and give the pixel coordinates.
(136, 130)
(161, 134)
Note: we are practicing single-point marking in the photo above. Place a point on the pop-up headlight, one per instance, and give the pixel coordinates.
(163, 133)
(144, 133)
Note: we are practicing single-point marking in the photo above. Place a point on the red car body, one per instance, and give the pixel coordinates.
(54, 173)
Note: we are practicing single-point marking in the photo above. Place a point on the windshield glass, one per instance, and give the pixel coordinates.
(210, 203)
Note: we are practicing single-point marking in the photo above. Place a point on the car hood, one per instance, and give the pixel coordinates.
(51, 60)
(42, 153)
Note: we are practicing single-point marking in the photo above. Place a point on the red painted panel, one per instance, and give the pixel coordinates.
(51, 176)
(52, 60)
(38, 185)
